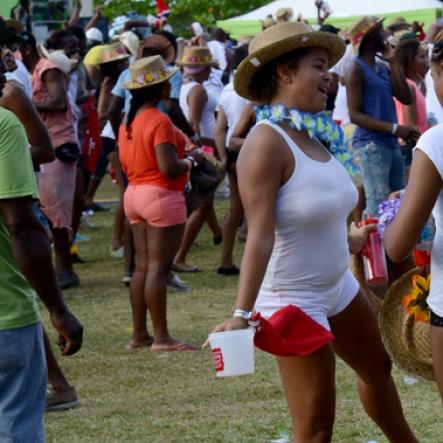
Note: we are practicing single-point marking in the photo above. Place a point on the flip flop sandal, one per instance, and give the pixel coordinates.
(180, 347)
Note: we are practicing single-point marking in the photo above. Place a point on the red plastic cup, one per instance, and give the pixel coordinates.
(374, 257)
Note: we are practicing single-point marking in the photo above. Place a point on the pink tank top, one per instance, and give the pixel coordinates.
(420, 109)
(60, 125)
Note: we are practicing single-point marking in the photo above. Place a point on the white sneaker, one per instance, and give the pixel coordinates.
(176, 284)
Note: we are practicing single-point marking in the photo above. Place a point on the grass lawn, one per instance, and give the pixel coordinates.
(143, 397)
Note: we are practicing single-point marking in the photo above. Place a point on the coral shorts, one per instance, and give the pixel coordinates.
(157, 206)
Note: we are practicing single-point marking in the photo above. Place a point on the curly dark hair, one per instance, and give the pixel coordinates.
(153, 94)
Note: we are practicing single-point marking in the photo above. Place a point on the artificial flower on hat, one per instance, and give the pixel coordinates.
(416, 303)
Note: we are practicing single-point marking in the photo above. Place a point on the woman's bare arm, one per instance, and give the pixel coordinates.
(421, 194)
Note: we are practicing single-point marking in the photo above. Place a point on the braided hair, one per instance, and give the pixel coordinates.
(152, 95)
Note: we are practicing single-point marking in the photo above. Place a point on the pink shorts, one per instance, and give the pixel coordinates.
(57, 187)
(155, 205)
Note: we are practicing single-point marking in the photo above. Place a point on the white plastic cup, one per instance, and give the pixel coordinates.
(233, 352)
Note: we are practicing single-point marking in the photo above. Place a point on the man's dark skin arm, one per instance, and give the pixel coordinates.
(15, 100)
(55, 83)
(31, 250)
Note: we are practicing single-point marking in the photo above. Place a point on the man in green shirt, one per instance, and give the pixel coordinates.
(25, 271)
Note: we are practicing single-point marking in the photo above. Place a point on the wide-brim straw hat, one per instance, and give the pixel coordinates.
(196, 56)
(407, 341)
(279, 40)
(361, 28)
(130, 41)
(147, 72)
(374, 296)
(161, 44)
(398, 22)
(113, 53)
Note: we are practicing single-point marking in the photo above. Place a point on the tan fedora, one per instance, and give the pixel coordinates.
(406, 339)
(278, 40)
(161, 44)
(196, 56)
(361, 28)
(148, 71)
(113, 53)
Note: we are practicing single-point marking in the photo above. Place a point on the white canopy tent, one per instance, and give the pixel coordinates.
(341, 8)
(344, 12)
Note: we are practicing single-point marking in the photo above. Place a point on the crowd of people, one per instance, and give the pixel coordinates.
(302, 128)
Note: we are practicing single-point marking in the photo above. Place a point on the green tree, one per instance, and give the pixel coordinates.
(184, 12)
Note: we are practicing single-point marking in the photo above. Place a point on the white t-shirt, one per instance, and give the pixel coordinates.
(233, 106)
(433, 106)
(341, 112)
(21, 75)
(218, 52)
(430, 144)
(214, 84)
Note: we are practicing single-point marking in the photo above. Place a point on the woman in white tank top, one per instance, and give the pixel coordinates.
(198, 105)
(297, 198)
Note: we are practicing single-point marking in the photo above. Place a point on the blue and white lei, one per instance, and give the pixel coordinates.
(318, 125)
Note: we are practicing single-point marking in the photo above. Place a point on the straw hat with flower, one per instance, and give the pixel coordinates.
(113, 53)
(361, 28)
(196, 56)
(148, 71)
(404, 325)
(279, 40)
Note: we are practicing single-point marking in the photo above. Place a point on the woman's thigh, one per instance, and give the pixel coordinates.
(437, 354)
(358, 340)
(309, 385)
(163, 244)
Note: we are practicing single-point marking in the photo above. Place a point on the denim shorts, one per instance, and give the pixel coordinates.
(383, 172)
(23, 380)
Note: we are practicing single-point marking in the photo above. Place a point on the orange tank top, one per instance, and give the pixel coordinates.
(149, 129)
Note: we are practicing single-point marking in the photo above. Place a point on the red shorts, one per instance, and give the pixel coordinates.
(160, 207)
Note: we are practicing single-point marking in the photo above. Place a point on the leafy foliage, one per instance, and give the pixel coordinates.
(184, 12)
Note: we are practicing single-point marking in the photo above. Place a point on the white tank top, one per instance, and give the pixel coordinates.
(310, 249)
(207, 121)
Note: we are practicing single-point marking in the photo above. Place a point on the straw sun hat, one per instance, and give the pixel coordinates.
(148, 71)
(113, 53)
(407, 340)
(278, 40)
(361, 28)
(196, 56)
